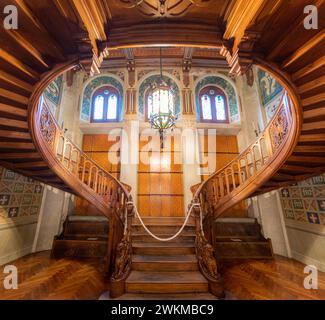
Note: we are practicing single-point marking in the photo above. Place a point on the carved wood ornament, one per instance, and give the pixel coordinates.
(163, 8)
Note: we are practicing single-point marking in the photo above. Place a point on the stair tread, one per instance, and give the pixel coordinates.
(168, 296)
(164, 258)
(166, 277)
(147, 244)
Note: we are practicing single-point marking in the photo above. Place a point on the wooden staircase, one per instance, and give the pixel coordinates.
(240, 238)
(162, 270)
(82, 237)
(45, 46)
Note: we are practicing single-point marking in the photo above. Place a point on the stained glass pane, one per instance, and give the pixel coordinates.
(99, 108)
(112, 107)
(206, 107)
(221, 108)
(160, 101)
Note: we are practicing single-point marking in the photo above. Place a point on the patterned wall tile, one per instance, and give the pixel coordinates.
(289, 214)
(321, 205)
(301, 216)
(19, 196)
(313, 217)
(305, 201)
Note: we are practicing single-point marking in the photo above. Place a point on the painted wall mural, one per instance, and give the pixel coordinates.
(227, 87)
(270, 92)
(19, 196)
(305, 201)
(154, 79)
(91, 87)
(54, 91)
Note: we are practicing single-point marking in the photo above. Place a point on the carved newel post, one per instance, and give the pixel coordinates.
(123, 257)
(205, 255)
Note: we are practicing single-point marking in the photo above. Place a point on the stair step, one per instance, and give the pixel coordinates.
(162, 248)
(168, 221)
(85, 237)
(164, 262)
(166, 282)
(79, 248)
(168, 296)
(183, 237)
(161, 229)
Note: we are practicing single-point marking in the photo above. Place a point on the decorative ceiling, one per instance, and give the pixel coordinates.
(163, 8)
(124, 12)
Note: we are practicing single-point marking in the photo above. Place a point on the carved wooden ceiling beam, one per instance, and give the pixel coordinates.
(245, 21)
(167, 34)
(94, 15)
(162, 8)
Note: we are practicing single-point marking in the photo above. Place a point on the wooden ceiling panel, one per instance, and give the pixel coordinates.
(278, 44)
(212, 13)
(60, 29)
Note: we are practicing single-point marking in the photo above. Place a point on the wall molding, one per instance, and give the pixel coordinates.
(308, 261)
(6, 259)
(17, 223)
(316, 229)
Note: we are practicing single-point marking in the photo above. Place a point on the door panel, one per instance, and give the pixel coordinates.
(160, 180)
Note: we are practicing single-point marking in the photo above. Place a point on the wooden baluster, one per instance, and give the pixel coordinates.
(246, 166)
(261, 151)
(63, 149)
(90, 175)
(222, 188)
(83, 171)
(240, 178)
(227, 181)
(233, 177)
(96, 180)
(77, 163)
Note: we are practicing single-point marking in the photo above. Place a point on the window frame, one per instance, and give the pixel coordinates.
(100, 91)
(218, 92)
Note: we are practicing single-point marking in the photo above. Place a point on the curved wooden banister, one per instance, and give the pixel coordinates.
(77, 165)
(257, 164)
(85, 178)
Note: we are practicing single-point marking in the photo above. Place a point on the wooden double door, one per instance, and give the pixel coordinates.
(160, 178)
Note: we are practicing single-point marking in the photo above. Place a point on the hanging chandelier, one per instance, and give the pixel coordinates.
(164, 118)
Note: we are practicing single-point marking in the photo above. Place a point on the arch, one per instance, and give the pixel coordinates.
(226, 86)
(146, 84)
(105, 105)
(92, 86)
(210, 112)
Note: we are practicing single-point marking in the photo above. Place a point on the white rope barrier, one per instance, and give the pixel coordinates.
(174, 236)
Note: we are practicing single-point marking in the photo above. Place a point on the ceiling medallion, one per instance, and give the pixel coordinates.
(162, 8)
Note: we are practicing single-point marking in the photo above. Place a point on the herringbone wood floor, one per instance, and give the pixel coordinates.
(41, 277)
(279, 279)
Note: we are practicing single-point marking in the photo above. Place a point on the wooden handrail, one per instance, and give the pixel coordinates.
(254, 166)
(76, 162)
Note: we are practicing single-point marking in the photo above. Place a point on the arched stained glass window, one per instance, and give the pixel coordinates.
(105, 105)
(99, 108)
(206, 107)
(213, 105)
(160, 100)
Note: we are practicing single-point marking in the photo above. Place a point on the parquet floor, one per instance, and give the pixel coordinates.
(41, 277)
(279, 279)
